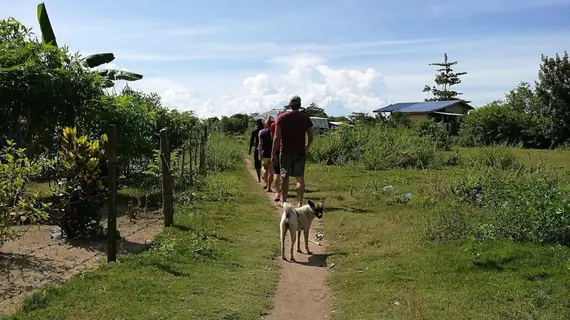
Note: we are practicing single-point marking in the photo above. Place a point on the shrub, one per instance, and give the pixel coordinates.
(15, 172)
(79, 189)
(376, 148)
(222, 153)
(526, 205)
(500, 157)
(435, 131)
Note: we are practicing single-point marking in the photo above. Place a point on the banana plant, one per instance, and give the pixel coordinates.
(91, 61)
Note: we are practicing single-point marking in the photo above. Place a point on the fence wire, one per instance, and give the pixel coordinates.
(55, 278)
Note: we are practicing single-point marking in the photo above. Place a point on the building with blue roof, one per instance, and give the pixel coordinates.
(446, 112)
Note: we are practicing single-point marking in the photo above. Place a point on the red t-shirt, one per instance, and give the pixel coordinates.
(272, 128)
(294, 126)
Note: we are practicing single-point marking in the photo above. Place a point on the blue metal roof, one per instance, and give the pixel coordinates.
(427, 106)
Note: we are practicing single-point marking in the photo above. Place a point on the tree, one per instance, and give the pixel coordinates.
(553, 91)
(313, 110)
(444, 79)
(92, 61)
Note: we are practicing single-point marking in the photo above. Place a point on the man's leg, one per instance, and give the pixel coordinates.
(277, 179)
(257, 164)
(286, 161)
(299, 173)
(269, 175)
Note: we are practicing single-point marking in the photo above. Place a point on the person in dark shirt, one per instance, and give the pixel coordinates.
(294, 131)
(265, 149)
(254, 142)
(276, 168)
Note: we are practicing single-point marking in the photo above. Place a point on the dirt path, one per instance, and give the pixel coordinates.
(302, 292)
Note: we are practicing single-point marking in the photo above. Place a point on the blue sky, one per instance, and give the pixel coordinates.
(220, 57)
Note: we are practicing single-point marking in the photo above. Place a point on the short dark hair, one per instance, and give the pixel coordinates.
(295, 103)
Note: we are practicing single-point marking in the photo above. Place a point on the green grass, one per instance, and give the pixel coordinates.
(215, 263)
(386, 268)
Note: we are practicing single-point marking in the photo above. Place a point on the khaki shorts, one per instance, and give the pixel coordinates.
(293, 164)
(266, 162)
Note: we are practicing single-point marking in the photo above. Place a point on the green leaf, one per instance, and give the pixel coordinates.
(114, 74)
(48, 36)
(97, 59)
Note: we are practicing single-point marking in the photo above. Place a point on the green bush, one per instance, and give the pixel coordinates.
(435, 131)
(222, 153)
(500, 157)
(376, 148)
(15, 202)
(526, 205)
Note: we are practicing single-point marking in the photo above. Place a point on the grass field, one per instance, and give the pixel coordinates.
(387, 268)
(215, 263)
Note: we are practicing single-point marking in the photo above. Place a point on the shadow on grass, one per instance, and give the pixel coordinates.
(320, 259)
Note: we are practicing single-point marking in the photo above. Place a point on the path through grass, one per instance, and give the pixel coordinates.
(215, 263)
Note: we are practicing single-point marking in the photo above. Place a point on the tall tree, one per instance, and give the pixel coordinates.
(444, 79)
(553, 91)
(315, 111)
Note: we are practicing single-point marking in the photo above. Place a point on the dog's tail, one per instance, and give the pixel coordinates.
(288, 209)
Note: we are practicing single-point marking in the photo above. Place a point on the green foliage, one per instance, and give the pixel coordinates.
(434, 131)
(445, 79)
(80, 188)
(222, 153)
(526, 205)
(108, 75)
(362, 118)
(553, 91)
(517, 120)
(42, 88)
(16, 171)
(501, 157)
(235, 124)
(314, 110)
(376, 148)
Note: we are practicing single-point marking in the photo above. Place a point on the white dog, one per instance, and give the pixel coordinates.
(297, 220)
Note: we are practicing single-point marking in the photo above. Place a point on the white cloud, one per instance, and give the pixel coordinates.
(339, 91)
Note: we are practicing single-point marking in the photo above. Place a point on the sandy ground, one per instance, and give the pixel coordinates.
(302, 292)
(35, 259)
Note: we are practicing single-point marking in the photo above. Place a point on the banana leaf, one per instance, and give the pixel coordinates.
(48, 36)
(97, 59)
(113, 74)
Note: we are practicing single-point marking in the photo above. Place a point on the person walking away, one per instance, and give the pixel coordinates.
(295, 131)
(276, 167)
(265, 149)
(254, 142)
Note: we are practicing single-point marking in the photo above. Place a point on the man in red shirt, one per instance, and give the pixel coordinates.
(276, 168)
(294, 134)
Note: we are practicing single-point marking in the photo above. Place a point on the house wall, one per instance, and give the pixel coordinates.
(418, 116)
(457, 108)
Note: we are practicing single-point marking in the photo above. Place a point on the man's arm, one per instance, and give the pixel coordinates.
(260, 146)
(276, 140)
(251, 141)
(309, 138)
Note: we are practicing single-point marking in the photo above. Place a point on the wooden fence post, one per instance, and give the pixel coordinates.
(112, 193)
(167, 206)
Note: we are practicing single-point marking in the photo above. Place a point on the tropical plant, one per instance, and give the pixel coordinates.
(92, 61)
(80, 188)
(445, 79)
(16, 203)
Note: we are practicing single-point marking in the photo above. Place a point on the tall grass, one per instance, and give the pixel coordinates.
(223, 153)
(376, 148)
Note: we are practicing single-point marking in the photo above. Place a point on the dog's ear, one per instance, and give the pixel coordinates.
(311, 204)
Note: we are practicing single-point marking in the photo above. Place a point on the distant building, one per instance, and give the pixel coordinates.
(446, 112)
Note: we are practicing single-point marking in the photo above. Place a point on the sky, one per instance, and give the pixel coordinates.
(219, 57)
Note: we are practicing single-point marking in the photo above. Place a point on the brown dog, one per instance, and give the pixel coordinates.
(297, 220)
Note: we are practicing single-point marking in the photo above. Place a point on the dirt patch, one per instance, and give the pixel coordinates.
(302, 292)
(36, 259)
